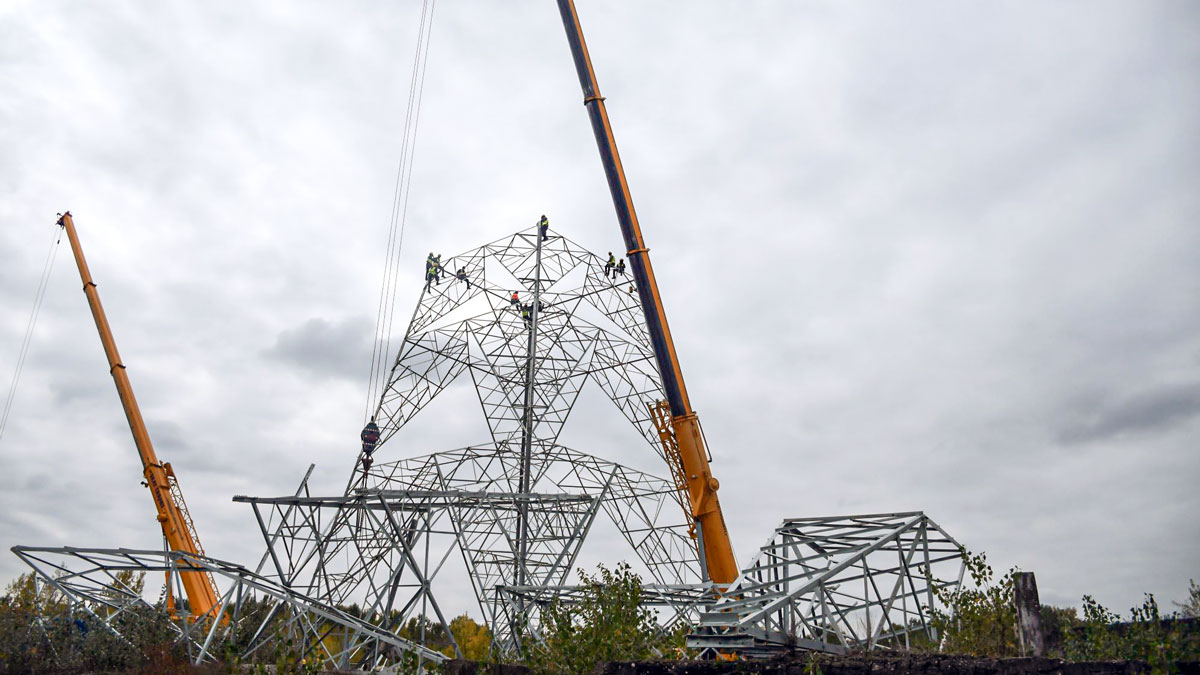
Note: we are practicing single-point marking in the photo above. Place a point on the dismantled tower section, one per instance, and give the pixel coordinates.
(836, 584)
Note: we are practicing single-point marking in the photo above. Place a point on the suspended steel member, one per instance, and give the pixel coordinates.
(370, 439)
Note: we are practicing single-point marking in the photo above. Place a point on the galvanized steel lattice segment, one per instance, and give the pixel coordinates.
(590, 327)
(256, 612)
(836, 583)
(515, 525)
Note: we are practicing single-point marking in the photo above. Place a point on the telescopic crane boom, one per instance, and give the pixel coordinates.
(173, 515)
(683, 441)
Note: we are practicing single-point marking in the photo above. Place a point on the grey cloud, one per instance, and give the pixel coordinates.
(170, 439)
(337, 349)
(1157, 410)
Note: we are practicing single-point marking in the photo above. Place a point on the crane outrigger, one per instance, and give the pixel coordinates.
(173, 516)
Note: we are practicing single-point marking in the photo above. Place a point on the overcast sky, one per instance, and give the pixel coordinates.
(927, 255)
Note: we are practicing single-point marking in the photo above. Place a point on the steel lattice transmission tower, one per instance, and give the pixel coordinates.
(519, 505)
(588, 326)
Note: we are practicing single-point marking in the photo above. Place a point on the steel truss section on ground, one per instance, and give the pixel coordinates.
(834, 584)
(254, 614)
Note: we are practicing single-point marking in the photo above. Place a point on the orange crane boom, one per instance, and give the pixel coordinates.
(173, 515)
(683, 440)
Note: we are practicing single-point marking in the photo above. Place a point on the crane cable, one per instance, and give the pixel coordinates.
(39, 297)
(391, 278)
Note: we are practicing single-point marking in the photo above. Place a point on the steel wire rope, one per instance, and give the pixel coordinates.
(38, 299)
(407, 193)
(390, 281)
(390, 267)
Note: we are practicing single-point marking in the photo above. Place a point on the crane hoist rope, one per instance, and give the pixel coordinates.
(389, 284)
(38, 298)
(177, 526)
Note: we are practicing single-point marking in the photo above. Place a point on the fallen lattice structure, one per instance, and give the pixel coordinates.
(344, 573)
(255, 611)
(836, 584)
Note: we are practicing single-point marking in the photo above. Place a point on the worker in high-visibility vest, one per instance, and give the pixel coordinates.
(430, 269)
(543, 226)
(610, 265)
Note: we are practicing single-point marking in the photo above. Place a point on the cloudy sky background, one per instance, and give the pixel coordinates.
(937, 255)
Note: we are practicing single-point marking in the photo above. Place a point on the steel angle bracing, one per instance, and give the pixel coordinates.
(471, 495)
(383, 543)
(255, 608)
(607, 342)
(866, 581)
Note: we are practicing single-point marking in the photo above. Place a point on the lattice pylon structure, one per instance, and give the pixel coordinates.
(835, 584)
(256, 612)
(358, 547)
(364, 563)
(382, 547)
(590, 327)
(569, 491)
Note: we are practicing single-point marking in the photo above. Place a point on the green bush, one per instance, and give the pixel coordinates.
(39, 633)
(608, 624)
(1148, 636)
(980, 620)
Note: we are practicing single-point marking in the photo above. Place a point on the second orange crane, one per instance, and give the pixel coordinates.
(172, 513)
